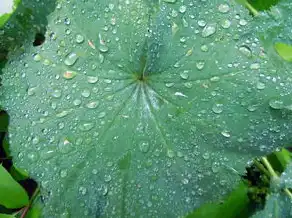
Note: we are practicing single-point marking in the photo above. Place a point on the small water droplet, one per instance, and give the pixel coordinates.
(261, 86)
(225, 23)
(37, 57)
(202, 23)
(276, 104)
(170, 153)
(107, 178)
(92, 105)
(245, 50)
(185, 181)
(79, 38)
(226, 133)
(101, 115)
(206, 155)
(184, 74)
(200, 65)
(94, 171)
(85, 127)
(204, 48)
(85, 93)
(182, 9)
(223, 8)
(103, 48)
(92, 79)
(168, 85)
(144, 147)
(242, 22)
(71, 59)
(217, 108)
(69, 74)
(209, 30)
(255, 66)
(57, 93)
(63, 173)
(82, 190)
(65, 146)
(77, 102)
(31, 91)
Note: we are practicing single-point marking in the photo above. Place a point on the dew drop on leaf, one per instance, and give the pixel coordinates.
(276, 104)
(223, 8)
(217, 108)
(71, 59)
(79, 38)
(245, 50)
(209, 30)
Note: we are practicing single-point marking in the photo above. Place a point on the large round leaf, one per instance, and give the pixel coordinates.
(142, 108)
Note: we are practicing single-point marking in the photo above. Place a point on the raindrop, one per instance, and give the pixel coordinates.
(170, 153)
(79, 38)
(31, 91)
(82, 190)
(217, 108)
(242, 22)
(71, 59)
(200, 65)
(223, 8)
(261, 86)
(225, 23)
(276, 104)
(37, 57)
(206, 156)
(185, 181)
(69, 74)
(168, 85)
(94, 171)
(255, 66)
(209, 30)
(92, 79)
(184, 74)
(86, 127)
(107, 178)
(85, 93)
(182, 9)
(56, 93)
(77, 102)
(65, 146)
(170, 1)
(204, 48)
(101, 115)
(144, 147)
(63, 173)
(245, 50)
(92, 105)
(103, 48)
(226, 133)
(202, 23)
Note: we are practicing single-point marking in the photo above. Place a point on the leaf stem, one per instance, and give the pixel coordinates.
(251, 9)
(287, 191)
(26, 209)
(262, 168)
(269, 167)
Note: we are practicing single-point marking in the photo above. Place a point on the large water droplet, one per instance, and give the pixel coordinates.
(217, 108)
(144, 147)
(245, 50)
(276, 104)
(184, 74)
(223, 8)
(69, 74)
(92, 79)
(209, 30)
(71, 59)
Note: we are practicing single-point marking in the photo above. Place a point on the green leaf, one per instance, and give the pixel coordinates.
(7, 9)
(236, 205)
(6, 216)
(12, 195)
(18, 174)
(34, 212)
(263, 4)
(284, 50)
(143, 108)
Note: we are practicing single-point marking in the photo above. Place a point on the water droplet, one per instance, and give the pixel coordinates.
(71, 59)
(215, 167)
(67, 21)
(182, 9)
(185, 181)
(223, 8)
(86, 127)
(242, 22)
(37, 57)
(92, 105)
(209, 30)
(101, 115)
(255, 66)
(252, 108)
(65, 146)
(63, 173)
(144, 147)
(276, 104)
(200, 65)
(217, 108)
(69, 74)
(226, 133)
(82, 190)
(85, 93)
(206, 155)
(35, 140)
(184, 74)
(170, 1)
(94, 171)
(170, 153)
(57, 93)
(225, 23)
(31, 91)
(261, 86)
(103, 48)
(79, 38)
(168, 85)
(202, 23)
(204, 48)
(107, 178)
(77, 102)
(63, 114)
(245, 50)
(92, 79)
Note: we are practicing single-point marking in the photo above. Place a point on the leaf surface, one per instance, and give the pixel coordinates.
(143, 108)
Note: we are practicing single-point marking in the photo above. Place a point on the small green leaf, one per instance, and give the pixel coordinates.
(6, 216)
(12, 195)
(236, 205)
(284, 50)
